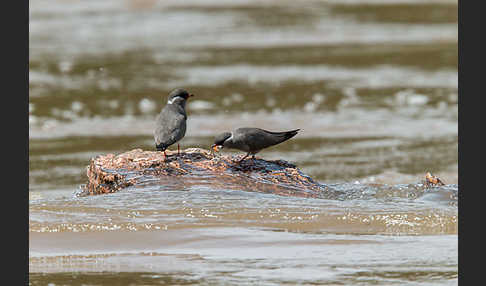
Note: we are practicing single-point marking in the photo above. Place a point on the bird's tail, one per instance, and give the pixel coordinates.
(285, 135)
(291, 133)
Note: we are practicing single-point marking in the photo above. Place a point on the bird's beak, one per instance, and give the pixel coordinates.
(216, 147)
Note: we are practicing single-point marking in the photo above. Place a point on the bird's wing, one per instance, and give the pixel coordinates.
(171, 127)
(258, 139)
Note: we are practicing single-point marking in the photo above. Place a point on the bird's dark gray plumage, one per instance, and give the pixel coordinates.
(251, 140)
(171, 122)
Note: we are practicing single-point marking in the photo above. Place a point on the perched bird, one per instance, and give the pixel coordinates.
(171, 122)
(251, 140)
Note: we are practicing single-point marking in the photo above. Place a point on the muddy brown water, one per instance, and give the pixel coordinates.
(372, 85)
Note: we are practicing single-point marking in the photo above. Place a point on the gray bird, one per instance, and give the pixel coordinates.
(251, 140)
(171, 122)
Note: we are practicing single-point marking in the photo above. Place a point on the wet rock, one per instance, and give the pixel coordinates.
(111, 173)
(194, 166)
(431, 180)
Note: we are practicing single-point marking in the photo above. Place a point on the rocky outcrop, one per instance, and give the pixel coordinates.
(112, 173)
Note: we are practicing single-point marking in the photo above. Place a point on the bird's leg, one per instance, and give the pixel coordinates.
(244, 157)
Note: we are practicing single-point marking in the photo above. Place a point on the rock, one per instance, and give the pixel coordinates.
(112, 173)
(199, 167)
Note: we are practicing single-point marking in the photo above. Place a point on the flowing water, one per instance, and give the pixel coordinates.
(372, 85)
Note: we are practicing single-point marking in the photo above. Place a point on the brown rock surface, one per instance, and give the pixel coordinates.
(201, 168)
(111, 173)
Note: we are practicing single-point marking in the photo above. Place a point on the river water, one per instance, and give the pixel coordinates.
(371, 84)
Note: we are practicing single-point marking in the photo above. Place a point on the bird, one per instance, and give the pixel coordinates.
(251, 140)
(170, 124)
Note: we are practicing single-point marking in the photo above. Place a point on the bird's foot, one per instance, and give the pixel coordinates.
(244, 157)
(241, 160)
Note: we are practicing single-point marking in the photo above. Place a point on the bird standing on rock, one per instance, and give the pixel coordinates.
(251, 140)
(171, 122)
